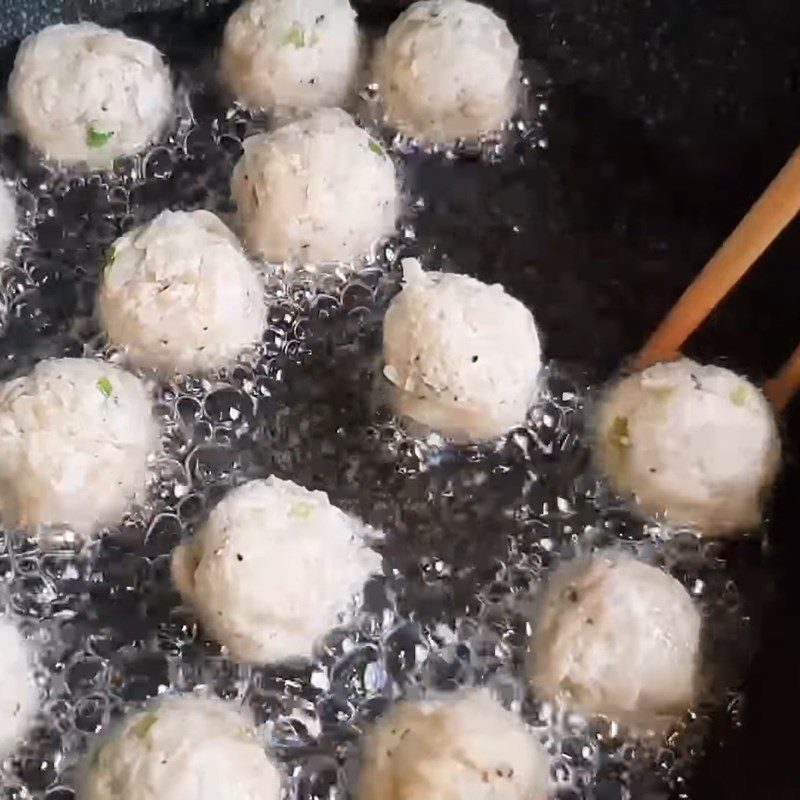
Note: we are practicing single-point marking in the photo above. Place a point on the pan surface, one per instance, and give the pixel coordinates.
(657, 126)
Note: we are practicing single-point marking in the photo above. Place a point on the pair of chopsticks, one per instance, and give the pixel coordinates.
(770, 214)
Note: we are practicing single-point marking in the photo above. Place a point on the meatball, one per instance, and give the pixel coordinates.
(463, 357)
(618, 637)
(19, 697)
(74, 439)
(8, 218)
(180, 295)
(447, 70)
(83, 93)
(317, 190)
(180, 748)
(273, 569)
(291, 53)
(452, 748)
(698, 444)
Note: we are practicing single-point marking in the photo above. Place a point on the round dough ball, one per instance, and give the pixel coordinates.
(8, 218)
(19, 697)
(447, 70)
(74, 439)
(617, 637)
(180, 295)
(291, 53)
(464, 357)
(696, 443)
(463, 746)
(272, 569)
(182, 748)
(316, 190)
(84, 93)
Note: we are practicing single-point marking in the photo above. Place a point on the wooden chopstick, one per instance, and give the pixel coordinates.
(783, 387)
(769, 215)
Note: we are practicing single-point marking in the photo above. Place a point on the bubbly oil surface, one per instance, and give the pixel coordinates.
(471, 532)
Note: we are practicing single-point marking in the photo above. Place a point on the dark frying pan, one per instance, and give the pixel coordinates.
(666, 120)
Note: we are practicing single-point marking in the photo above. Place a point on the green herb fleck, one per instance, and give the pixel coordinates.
(104, 385)
(376, 148)
(95, 139)
(739, 395)
(295, 37)
(301, 510)
(662, 391)
(620, 434)
(111, 257)
(95, 759)
(141, 727)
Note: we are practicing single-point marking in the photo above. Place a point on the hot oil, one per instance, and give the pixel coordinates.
(471, 532)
